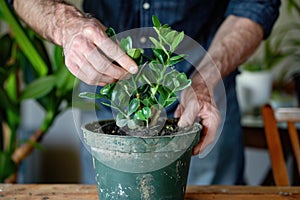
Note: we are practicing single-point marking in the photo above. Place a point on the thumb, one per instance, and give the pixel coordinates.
(178, 111)
(189, 114)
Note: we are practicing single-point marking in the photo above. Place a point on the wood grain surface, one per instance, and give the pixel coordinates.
(89, 192)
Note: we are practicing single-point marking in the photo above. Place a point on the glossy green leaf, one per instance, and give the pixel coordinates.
(156, 21)
(107, 90)
(139, 116)
(156, 43)
(160, 55)
(184, 82)
(90, 95)
(126, 43)
(168, 79)
(38, 88)
(133, 106)
(170, 36)
(176, 59)
(134, 53)
(110, 32)
(156, 68)
(178, 39)
(143, 114)
(146, 112)
(176, 83)
(170, 101)
(121, 120)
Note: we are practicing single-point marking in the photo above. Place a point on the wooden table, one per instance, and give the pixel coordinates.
(89, 192)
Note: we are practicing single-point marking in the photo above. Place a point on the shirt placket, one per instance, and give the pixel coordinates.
(146, 12)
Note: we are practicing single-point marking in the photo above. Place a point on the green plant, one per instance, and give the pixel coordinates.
(291, 48)
(282, 45)
(139, 100)
(293, 41)
(27, 72)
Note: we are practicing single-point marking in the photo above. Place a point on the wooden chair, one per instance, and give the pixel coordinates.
(271, 118)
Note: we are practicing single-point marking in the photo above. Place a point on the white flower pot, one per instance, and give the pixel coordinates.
(253, 89)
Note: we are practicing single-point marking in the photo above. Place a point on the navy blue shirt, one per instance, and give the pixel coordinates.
(199, 19)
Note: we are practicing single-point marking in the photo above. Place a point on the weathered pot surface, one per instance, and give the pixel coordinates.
(139, 154)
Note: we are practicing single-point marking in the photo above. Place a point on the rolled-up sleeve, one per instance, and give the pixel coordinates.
(263, 12)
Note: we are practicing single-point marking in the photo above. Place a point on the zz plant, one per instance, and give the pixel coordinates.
(139, 100)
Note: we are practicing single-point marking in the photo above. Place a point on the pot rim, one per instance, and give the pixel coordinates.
(187, 130)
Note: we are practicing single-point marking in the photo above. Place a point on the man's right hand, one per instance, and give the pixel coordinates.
(89, 52)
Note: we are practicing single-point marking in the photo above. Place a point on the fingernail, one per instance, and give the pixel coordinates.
(132, 70)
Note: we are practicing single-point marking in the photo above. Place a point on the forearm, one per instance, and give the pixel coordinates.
(234, 42)
(47, 17)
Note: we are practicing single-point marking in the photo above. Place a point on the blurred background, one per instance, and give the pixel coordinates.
(274, 68)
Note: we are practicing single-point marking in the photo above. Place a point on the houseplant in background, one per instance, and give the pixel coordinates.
(280, 51)
(254, 84)
(27, 72)
(287, 79)
(293, 47)
(142, 154)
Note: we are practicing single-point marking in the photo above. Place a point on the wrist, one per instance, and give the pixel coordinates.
(65, 15)
(207, 73)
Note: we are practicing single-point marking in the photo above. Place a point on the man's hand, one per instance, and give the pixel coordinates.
(197, 102)
(89, 52)
(235, 41)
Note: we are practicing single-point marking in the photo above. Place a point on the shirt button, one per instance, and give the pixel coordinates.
(143, 40)
(146, 5)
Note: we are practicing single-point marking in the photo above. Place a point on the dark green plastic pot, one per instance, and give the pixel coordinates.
(145, 168)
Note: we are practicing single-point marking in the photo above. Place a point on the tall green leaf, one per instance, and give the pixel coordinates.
(39, 88)
(23, 40)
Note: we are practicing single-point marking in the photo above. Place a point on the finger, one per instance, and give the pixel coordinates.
(197, 148)
(210, 121)
(113, 51)
(82, 69)
(189, 114)
(103, 65)
(80, 58)
(210, 135)
(178, 111)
